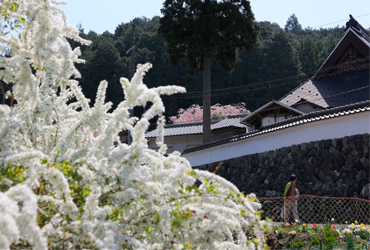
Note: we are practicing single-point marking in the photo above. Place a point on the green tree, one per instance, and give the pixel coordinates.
(292, 24)
(107, 64)
(201, 29)
(280, 60)
(308, 56)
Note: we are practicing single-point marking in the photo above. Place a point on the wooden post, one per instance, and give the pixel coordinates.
(206, 99)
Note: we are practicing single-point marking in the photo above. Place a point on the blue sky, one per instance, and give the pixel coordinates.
(100, 16)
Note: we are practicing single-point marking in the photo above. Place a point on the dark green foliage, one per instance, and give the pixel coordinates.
(308, 56)
(105, 64)
(277, 54)
(192, 28)
(280, 58)
(292, 25)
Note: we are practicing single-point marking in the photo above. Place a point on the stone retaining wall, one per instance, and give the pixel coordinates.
(337, 168)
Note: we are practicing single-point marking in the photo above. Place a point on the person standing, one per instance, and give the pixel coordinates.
(290, 199)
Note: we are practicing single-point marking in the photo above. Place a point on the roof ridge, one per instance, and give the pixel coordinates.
(189, 124)
(237, 116)
(353, 23)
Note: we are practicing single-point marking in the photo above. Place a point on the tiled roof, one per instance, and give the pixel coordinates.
(197, 128)
(333, 91)
(295, 121)
(231, 121)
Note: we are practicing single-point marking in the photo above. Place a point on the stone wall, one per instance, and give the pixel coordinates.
(337, 168)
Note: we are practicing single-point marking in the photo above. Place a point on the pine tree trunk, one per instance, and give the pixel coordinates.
(206, 99)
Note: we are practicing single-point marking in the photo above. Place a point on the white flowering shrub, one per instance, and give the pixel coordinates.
(66, 180)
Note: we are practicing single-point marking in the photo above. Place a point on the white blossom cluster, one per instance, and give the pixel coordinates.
(67, 182)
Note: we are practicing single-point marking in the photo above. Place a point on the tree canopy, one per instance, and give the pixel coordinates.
(200, 29)
(292, 24)
(192, 29)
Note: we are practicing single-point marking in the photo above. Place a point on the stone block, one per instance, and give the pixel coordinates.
(312, 161)
(312, 153)
(335, 175)
(318, 185)
(365, 192)
(326, 189)
(325, 153)
(362, 175)
(303, 146)
(282, 169)
(322, 175)
(339, 183)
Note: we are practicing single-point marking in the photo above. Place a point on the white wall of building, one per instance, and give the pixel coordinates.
(178, 143)
(272, 119)
(358, 123)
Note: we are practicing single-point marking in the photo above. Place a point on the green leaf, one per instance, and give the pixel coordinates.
(233, 193)
(157, 217)
(148, 229)
(190, 172)
(188, 245)
(58, 152)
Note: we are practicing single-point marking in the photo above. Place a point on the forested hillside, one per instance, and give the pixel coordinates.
(282, 58)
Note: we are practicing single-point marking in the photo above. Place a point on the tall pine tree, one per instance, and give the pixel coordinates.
(201, 29)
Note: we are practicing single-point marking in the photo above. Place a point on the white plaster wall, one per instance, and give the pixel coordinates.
(179, 143)
(358, 123)
(271, 119)
(307, 108)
